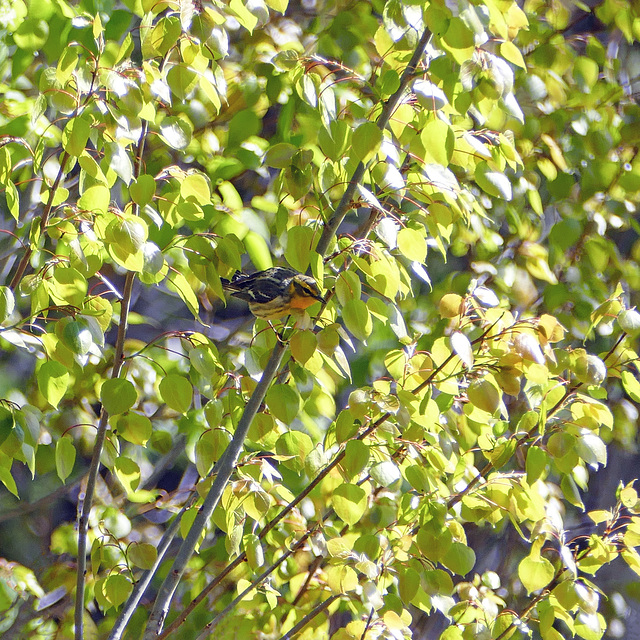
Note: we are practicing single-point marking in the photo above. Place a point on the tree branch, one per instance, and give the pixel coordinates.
(206, 633)
(310, 616)
(230, 456)
(84, 505)
(331, 228)
(227, 465)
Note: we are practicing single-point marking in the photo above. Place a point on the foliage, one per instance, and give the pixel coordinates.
(462, 181)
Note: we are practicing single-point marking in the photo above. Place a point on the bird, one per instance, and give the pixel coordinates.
(274, 293)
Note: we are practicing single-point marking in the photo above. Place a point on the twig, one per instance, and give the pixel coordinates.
(84, 505)
(206, 633)
(341, 211)
(310, 616)
(227, 465)
(22, 265)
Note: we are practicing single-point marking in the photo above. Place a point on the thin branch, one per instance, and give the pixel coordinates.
(308, 618)
(84, 505)
(390, 106)
(26, 256)
(227, 465)
(206, 633)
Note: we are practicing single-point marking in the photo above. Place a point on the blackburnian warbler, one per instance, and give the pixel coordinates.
(274, 293)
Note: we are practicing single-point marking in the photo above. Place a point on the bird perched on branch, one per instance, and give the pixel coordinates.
(274, 293)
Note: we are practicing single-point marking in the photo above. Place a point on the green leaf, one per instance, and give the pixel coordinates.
(296, 444)
(300, 241)
(459, 558)
(462, 348)
(585, 71)
(13, 199)
(75, 136)
(434, 545)
(278, 5)
(177, 392)
(438, 141)
(349, 502)
(32, 34)
(253, 548)
(209, 448)
(67, 286)
(176, 132)
(631, 385)
(118, 395)
(385, 473)
(53, 381)
(629, 321)
(346, 427)
(196, 186)
(537, 460)
(65, 457)
(356, 458)
(366, 141)
(387, 177)
(7, 480)
(279, 155)
(182, 80)
(117, 589)
(591, 449)
(334, 141)
(142, 554)
(341, 579)
(495, 183)
(412, 244)
(128, 473)
(484, 395)
(7, 422)
(459, 40)
(408, 583)
(77, 337)
(389, 82)
(348, 287)
(283, 402)
(142, 189)
(181, 286)
(66, 65)
(134, 427)
(7, 303)
(535, 573)
(243, 15)
(118, 161)
(95, 199)
(357, 318)
(303, 345)
(430, 96)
